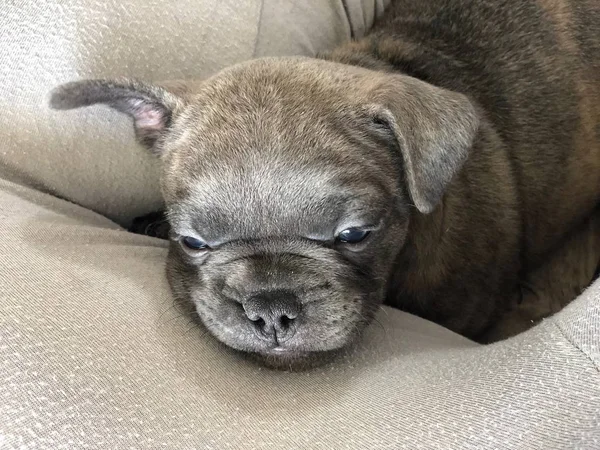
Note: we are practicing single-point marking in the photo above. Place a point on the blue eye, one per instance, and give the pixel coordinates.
(352, 235)
(193, 243)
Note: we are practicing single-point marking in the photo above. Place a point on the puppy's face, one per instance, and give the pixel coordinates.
(289, 185)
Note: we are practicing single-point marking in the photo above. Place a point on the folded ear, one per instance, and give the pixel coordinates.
(151, 107)
(434, 129)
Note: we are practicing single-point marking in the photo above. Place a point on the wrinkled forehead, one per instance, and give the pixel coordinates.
(222, 149)
(271, 148)
(274, 199)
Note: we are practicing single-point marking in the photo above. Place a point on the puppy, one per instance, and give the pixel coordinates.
(430, 165)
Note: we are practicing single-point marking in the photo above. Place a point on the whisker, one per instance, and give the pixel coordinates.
(162, 314)
(380, 325)
(193, 326)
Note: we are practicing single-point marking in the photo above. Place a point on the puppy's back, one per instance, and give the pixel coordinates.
(534, 67)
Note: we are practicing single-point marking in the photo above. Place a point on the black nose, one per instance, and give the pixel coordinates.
(273, 313)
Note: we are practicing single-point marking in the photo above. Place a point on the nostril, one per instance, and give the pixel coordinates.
(286, 321)
(259, 323)
(272, 312)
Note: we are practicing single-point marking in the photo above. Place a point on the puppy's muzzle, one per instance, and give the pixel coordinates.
(273, 314)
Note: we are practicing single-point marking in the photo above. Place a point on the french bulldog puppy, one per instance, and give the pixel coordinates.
(430, 165)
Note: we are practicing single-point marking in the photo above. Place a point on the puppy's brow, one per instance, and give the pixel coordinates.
(179, 219)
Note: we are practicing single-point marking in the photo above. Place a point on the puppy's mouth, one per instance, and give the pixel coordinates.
(281, 358)
(283, 354)
(279, 350)
(283, 351)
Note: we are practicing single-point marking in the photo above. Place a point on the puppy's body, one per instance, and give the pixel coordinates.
(534, 69)
(458, 141)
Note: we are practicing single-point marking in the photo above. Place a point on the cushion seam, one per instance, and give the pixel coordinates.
(258, 28)
(578, 347)
(348, 20)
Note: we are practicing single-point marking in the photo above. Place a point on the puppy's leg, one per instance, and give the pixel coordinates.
(568, 271)
(154, 224)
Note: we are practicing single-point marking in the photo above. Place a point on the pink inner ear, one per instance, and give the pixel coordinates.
(148, 117)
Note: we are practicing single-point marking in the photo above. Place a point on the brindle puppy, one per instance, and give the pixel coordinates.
(431, 165)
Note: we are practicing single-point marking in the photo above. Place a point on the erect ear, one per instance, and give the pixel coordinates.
(151, 107)
(434, 129)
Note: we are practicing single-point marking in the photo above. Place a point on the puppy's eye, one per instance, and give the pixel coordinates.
(193, 243)
(352, 236)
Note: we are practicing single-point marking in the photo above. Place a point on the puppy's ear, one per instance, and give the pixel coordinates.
(434, 129)
(151, 107)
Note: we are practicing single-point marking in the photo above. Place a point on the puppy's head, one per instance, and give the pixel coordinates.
(289, 186)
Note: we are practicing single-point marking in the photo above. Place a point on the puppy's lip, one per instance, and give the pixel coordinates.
(293, 360)
(283, 351)
(280, 349)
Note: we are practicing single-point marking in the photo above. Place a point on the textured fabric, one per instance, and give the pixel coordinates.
(89, 156)
(94, 355)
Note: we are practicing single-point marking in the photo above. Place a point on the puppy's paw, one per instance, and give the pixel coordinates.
(154, 224)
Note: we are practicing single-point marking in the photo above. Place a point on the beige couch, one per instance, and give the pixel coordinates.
(94, 355)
